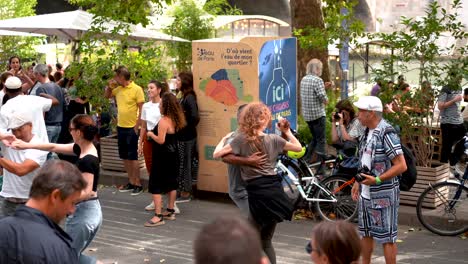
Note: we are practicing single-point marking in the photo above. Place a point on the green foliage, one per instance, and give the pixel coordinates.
(318, 38)
(417, 41)
(130, 11)
(189, 24)
(221, 7)
(20, 46)
(99, 56)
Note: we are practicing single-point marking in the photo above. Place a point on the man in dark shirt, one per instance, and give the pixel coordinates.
(33, 235)
(54, 117)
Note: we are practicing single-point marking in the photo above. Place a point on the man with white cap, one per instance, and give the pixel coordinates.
(35, 105)
(19, 165)
(378, 190)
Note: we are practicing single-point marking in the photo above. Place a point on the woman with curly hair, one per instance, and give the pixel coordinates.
(163, 176)
(188, 152)
(83, 225)
(268, 203)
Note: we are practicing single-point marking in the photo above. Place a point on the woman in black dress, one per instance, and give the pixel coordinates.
(163, 176)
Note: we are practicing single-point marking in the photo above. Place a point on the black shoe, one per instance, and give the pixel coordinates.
(137, 190)
(127, 188)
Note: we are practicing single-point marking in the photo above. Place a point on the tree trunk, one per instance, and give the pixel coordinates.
(309, 13)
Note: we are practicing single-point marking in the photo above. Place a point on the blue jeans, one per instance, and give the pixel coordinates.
(53, 133)
(82, 227)
(317, 128)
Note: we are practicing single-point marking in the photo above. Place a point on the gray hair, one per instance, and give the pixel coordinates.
(314, 66)
(42, 69)
(228, 240)
(57, 174)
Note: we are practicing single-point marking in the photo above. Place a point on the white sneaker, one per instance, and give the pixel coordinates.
(150, 207)
(176, 209)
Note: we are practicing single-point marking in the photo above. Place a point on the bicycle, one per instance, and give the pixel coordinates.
(438, 204)
(330, 197)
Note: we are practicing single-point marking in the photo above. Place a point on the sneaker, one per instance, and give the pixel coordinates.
(176, 209)
(150, 207)
(183, 199)
(137, 190)
(127, 188)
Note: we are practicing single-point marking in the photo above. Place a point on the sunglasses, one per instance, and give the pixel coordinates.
(308, 248)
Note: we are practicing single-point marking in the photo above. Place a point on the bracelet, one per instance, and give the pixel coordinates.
(378, 181)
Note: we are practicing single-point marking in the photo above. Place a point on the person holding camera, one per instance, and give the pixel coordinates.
(378, 190)
(346, 128)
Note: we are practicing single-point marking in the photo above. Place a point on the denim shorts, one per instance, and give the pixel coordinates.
(128, 143)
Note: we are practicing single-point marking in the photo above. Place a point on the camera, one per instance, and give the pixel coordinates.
(365, 170)
(336, 116)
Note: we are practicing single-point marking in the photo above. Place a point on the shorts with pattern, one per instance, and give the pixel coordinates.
(378, 218)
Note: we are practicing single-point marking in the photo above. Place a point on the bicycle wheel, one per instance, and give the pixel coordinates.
(344, 208)
(438, 205)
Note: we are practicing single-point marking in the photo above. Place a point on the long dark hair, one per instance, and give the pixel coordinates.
(172, 109)
(10, 59)
(186, 87)
(160, 85)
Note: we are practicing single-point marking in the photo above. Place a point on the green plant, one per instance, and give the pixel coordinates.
(417, 40)
(19, 46)
(221, 7)
(99, 56)
(189, 23)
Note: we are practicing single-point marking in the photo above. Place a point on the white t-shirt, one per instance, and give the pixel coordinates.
(2, 94)
(150, 113)
(36, 104)
(366, 161)
(16, 186)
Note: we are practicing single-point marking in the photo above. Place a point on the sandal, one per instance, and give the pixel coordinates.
(169, 214)
(150, 223)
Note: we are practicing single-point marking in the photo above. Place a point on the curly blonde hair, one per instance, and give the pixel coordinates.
(172, 109)
(254, 117)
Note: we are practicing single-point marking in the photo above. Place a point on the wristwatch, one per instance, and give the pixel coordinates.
(378, 181)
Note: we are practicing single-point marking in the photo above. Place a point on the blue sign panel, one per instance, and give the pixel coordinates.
(277, 78)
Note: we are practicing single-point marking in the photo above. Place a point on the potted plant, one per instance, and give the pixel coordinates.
(423, 40)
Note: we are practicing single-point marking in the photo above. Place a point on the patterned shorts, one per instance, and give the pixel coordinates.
(378, 218)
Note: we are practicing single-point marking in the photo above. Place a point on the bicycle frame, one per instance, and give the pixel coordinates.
(314, 183)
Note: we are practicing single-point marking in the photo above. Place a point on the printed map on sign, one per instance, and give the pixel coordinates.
(225, 86)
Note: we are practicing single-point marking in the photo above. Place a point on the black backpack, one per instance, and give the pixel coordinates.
(408, 178)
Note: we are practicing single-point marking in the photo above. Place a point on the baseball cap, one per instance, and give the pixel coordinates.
(370, 103)
(17, 119)
(13, 82)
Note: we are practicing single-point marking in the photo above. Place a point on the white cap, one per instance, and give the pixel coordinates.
(13, 82)
(17, 119)
(369, 103)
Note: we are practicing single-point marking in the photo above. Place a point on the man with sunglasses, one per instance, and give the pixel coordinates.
(19, 166)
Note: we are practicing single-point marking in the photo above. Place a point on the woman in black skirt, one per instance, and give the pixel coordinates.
(163, 176)
(268, 203)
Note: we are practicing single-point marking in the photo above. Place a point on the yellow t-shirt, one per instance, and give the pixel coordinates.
(127, 99)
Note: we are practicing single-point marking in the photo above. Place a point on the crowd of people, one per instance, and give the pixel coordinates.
(41, 115)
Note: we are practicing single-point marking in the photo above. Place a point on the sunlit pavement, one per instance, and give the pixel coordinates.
(123, 239)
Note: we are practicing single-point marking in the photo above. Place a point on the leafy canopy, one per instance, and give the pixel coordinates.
(191, 23)
(20, 46)
(318, 38)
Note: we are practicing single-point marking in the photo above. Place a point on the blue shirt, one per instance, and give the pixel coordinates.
(55, 115)
(31, 237)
